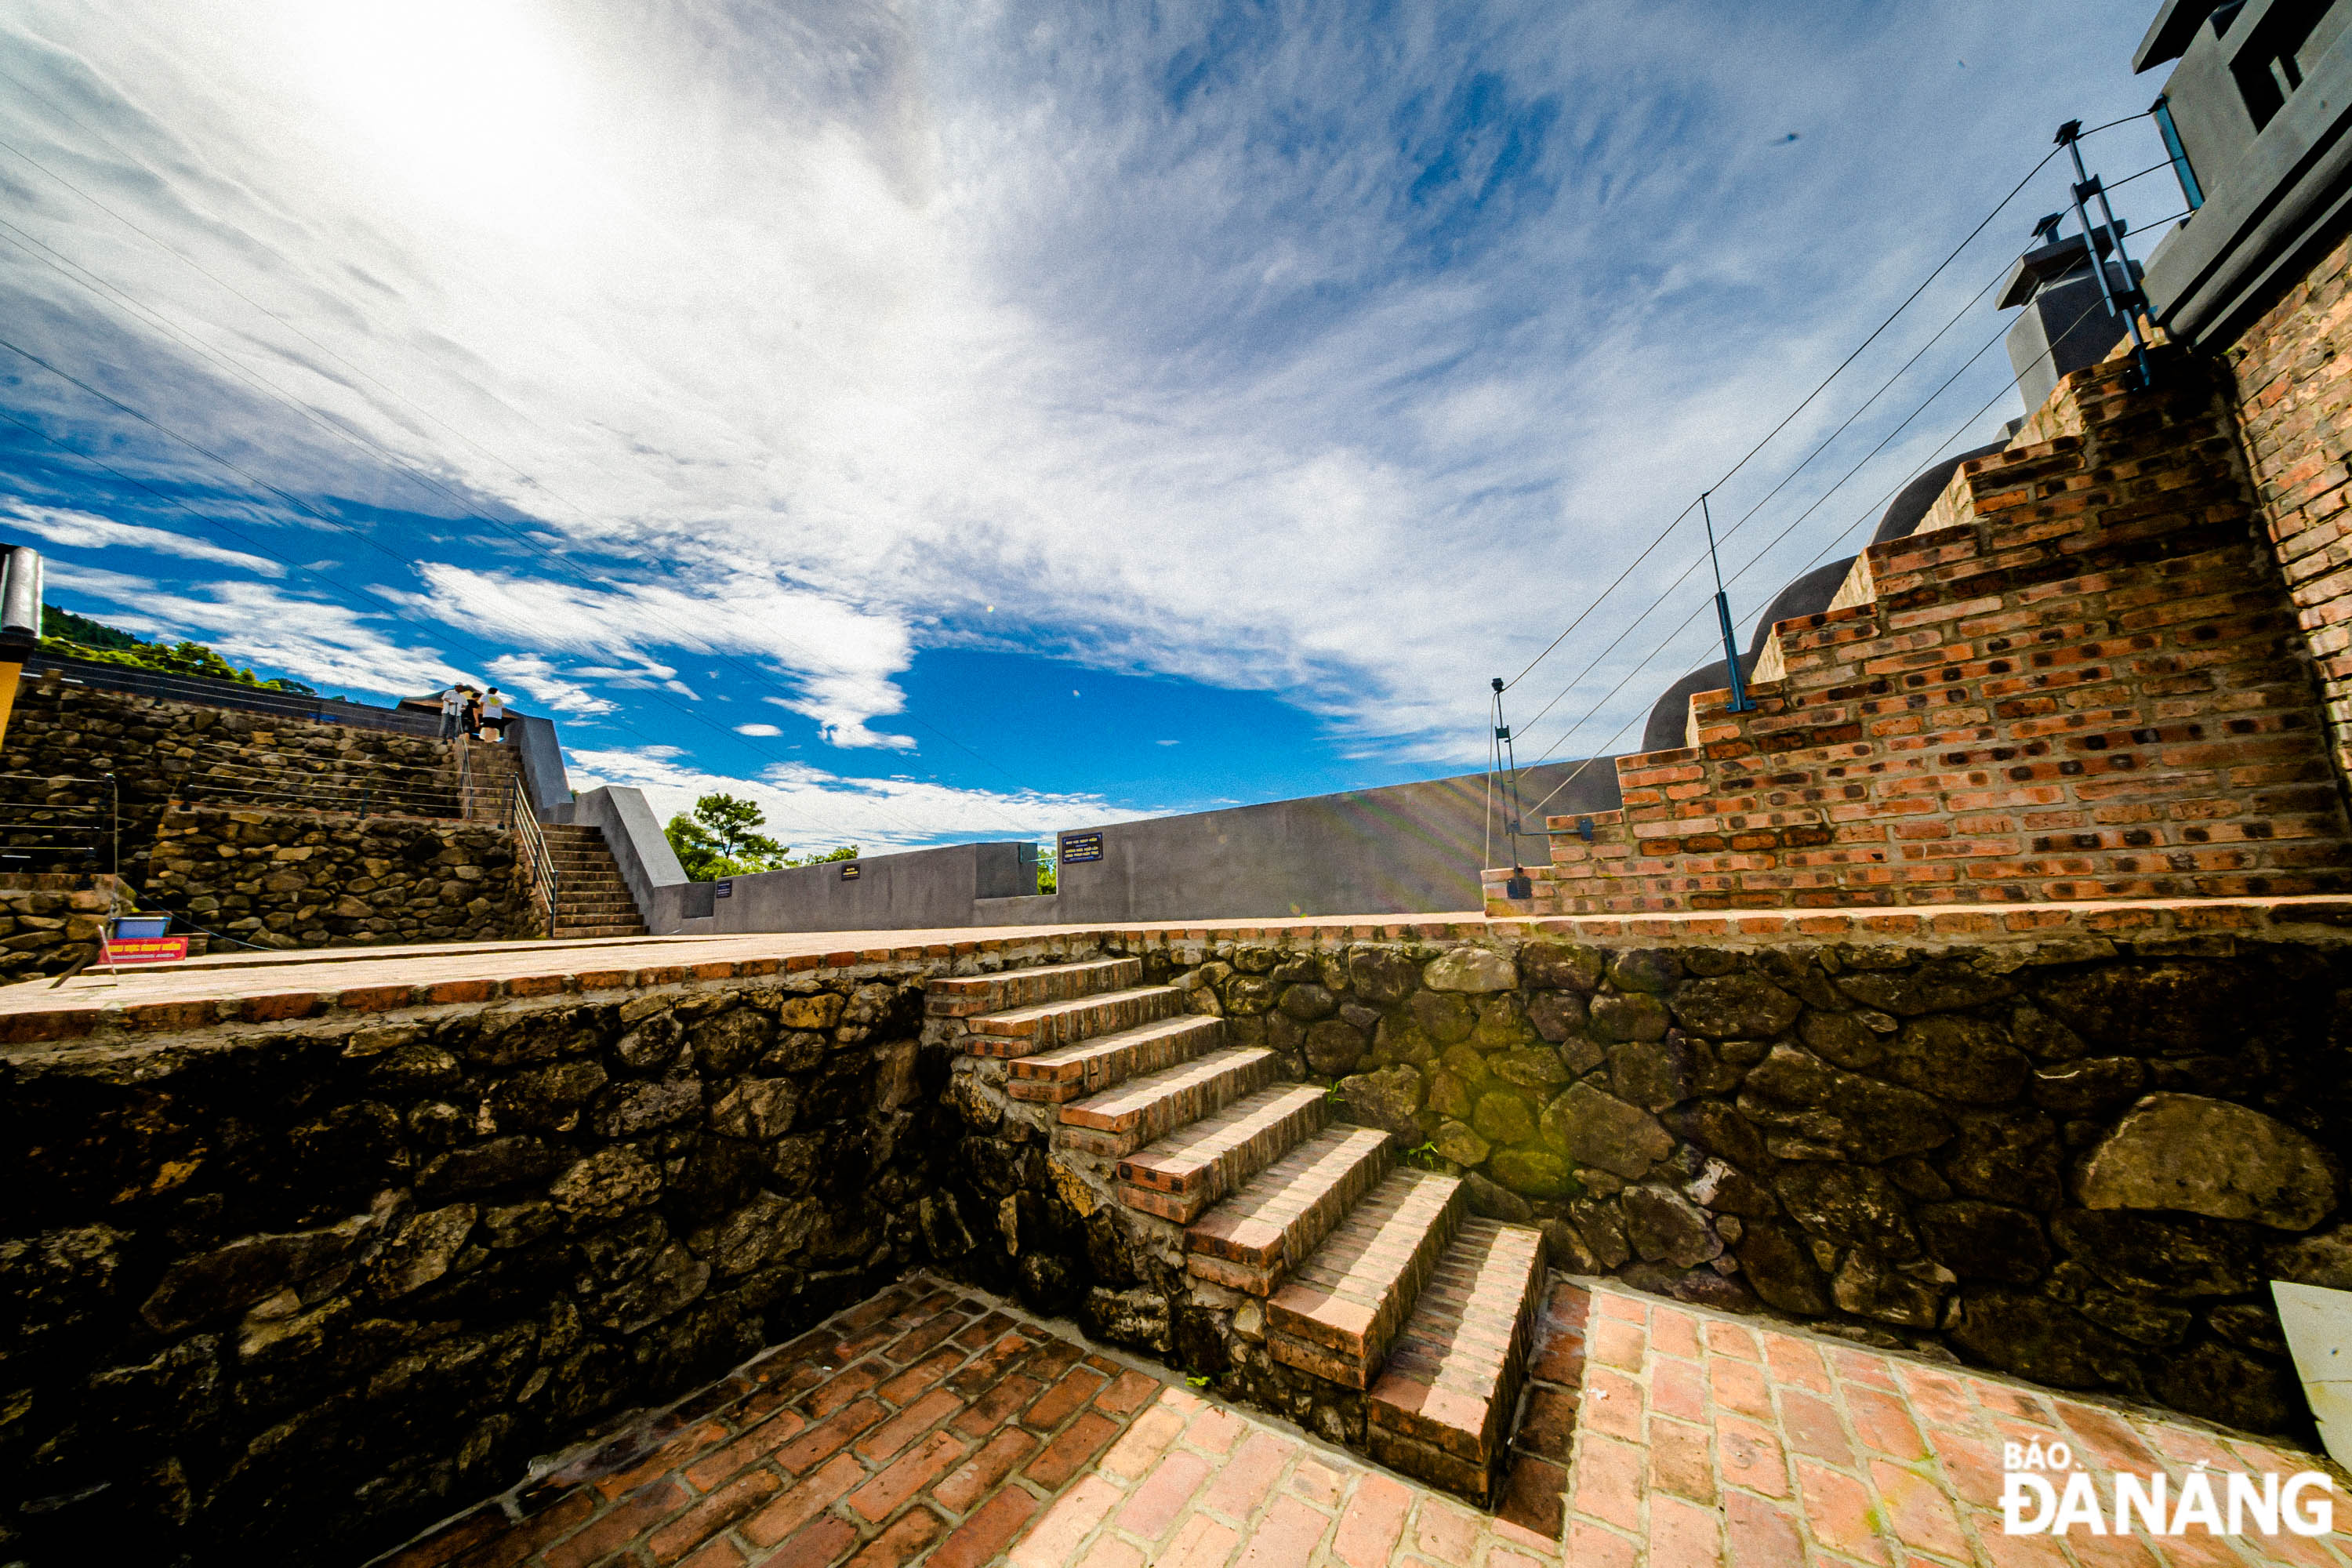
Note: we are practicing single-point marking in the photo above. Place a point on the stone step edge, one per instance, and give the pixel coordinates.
(1263, 1128)
(1105, 1061)
(1351, 1162)
(1314, 1329)
(1022, 1022)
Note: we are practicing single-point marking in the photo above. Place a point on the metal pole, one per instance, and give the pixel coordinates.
(2069, 137)
(1739, 702)
(1502, 746)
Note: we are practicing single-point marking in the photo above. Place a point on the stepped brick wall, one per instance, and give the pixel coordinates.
(313, 1276)
(2082, 679)
(311, 878)
(2292, 370)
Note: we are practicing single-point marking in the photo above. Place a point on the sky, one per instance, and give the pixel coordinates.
(977, 419)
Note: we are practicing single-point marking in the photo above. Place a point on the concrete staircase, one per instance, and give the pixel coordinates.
(1371, 1275)
(591, 899)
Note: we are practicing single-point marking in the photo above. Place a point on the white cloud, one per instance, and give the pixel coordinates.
(757, 730)
(1208, 342)
(539, 680)
(816, 810)
(81, 530)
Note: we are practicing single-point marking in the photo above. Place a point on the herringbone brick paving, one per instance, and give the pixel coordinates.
(927, 1425)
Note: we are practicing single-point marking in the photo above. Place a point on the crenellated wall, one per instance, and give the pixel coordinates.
(2081, 679)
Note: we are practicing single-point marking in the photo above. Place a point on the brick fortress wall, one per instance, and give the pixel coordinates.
(2081, 678)
(2293, 372)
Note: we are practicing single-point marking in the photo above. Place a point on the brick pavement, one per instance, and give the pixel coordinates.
(931, 1425)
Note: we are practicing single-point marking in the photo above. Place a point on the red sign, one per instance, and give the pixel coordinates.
(147, 950)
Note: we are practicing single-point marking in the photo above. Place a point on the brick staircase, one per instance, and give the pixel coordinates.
(2081, 678)
(1370, 1275)
(592, 900)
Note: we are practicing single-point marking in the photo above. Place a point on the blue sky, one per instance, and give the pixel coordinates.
(974, 419)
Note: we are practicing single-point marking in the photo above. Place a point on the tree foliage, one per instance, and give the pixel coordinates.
(721, 838)
(78, 637)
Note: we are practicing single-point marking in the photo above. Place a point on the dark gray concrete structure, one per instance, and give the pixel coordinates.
(2258, 107)
(2065, 324)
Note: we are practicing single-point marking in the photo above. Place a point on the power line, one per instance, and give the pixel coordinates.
(1759, 555)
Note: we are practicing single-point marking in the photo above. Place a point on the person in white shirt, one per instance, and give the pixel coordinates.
(494, 714)
(453, 710)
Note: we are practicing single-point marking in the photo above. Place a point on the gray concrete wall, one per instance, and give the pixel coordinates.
(649, 865)
(1412, 849)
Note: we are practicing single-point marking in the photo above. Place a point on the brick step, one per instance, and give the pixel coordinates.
(1251, 1240)
(1123, 1119)
(1051, 1077)
(564, 926)
(961, 996)
(1442, 1406)
(1198, 1165)
(1337, 1312)
(1024, 1031)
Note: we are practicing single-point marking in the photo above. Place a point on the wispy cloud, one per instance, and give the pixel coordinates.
(815, 809)
(1301, 348)
(83, 530)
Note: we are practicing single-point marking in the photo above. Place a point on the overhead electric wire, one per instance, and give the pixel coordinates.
(1823, 386)
(1757, 559)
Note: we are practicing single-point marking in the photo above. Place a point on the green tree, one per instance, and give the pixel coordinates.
(78, 637)
(721, 838)
(843, 852)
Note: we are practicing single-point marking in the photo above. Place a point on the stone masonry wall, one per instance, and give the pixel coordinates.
(285, 1292)
(292, 1275)
(49, 923)
(2075, 1162)
(161, 751)
(2082, 679)
(305, 878)
(2292, 373)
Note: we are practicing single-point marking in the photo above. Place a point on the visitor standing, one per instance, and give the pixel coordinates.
(453, 710)
(494, 714)
(473, 714)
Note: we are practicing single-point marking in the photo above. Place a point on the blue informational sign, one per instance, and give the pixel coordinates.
(725, 890)
(1077, 846)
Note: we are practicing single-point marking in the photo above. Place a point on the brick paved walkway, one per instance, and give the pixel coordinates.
(929, 1425)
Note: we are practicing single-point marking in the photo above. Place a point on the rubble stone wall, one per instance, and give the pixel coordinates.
(305, 1279)
(161, 751)
(2076, 1161)
(287, 1293)
(308, 879)
(50, 922)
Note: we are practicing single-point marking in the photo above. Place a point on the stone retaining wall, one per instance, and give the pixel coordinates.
(161, 751)
(288, 1293)
(49, 923)
(302, 1283)
(2077, 1161)
(307, 879)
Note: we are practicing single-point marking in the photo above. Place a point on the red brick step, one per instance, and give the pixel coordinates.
(1195, 1167)
(1442, 1405)
(1251, 1240)
(1091, 1067)
(1339, 1310)
(1123, 1119)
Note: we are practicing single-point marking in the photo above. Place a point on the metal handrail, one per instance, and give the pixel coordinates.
(539, 861)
